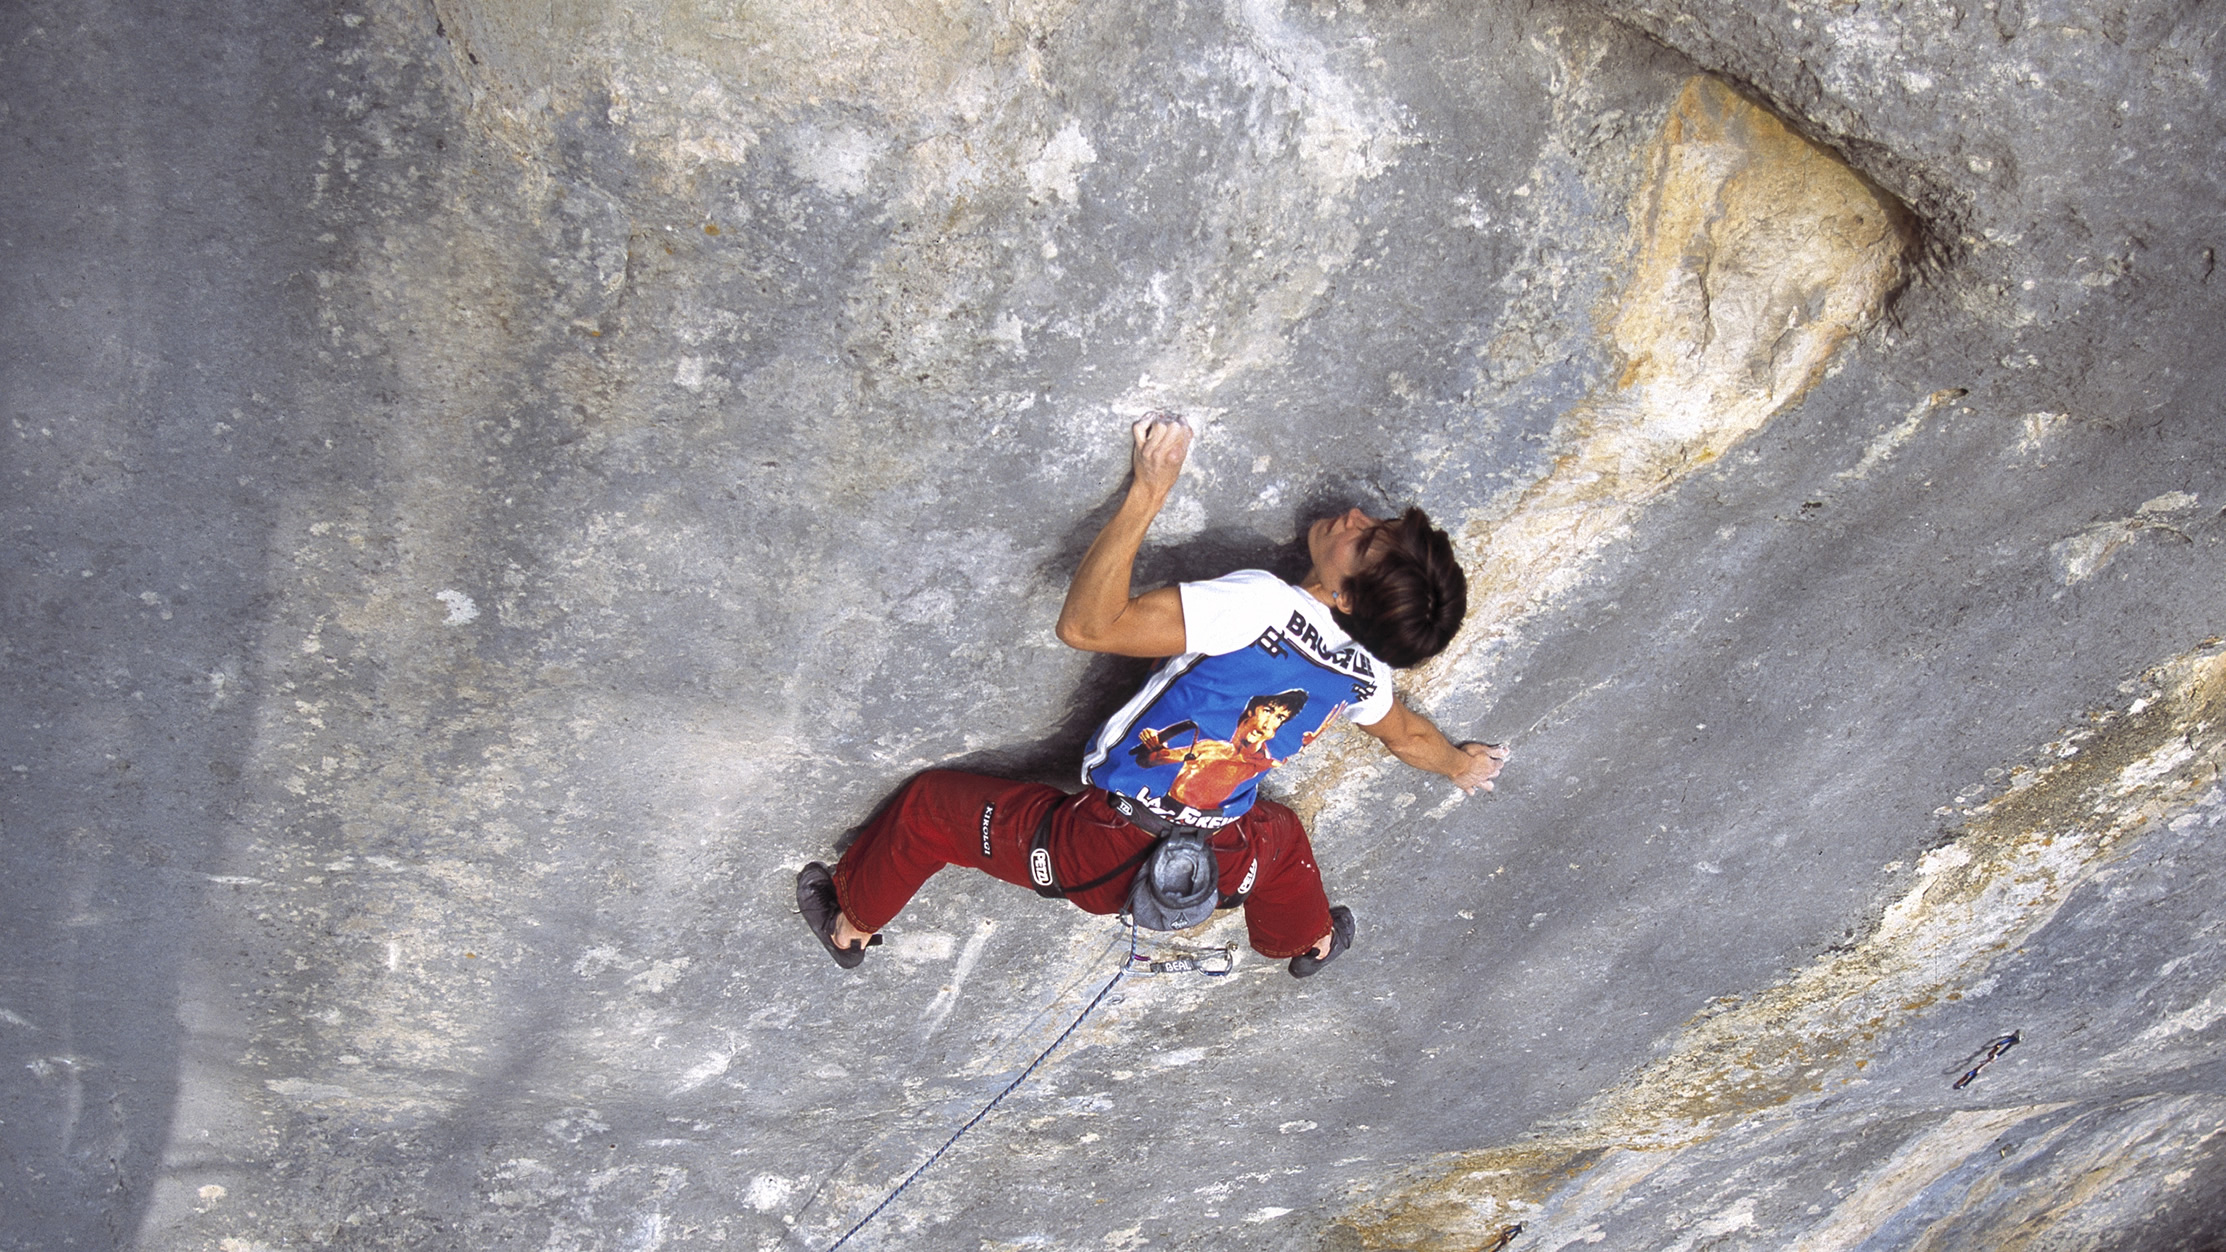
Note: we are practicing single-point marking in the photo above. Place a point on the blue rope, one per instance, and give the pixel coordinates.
(1000, 1097)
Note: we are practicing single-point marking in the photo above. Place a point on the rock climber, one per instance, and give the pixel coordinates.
(1169, 824)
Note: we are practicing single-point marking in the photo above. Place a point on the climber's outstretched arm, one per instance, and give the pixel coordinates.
(1413, 739)
(1100, 615)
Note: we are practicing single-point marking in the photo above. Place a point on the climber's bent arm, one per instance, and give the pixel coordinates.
(1100, 615)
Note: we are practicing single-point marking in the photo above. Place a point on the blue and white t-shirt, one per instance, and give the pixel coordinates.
(1268, 667)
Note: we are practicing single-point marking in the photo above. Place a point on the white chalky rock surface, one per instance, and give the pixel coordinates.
(494, 488)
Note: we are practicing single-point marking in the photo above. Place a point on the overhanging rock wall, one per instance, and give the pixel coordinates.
(496, 487)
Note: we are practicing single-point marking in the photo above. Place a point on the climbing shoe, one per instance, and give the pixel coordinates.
(815, 899)
(1340, 938)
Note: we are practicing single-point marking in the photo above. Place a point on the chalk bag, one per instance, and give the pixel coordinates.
(1179, 884)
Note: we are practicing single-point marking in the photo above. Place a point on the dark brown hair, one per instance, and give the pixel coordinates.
(1293, 702)
(1411, 598)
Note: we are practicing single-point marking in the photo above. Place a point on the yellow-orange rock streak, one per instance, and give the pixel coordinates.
(1756, 255)
(2013, 866)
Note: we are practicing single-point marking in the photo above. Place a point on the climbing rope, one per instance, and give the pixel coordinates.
(1151, 967)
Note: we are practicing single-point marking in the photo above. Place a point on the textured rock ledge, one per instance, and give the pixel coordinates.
(499, 486)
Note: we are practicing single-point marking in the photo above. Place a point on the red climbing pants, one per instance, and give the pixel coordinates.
(948, 818)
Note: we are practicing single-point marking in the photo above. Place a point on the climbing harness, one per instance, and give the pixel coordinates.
(1046, 881)
(1197, 959)
(1177, 876)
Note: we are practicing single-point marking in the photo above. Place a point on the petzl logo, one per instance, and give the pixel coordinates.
(988, 811)
(1039, 867)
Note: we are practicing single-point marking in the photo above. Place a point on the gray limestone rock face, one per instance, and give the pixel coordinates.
(493, 489)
